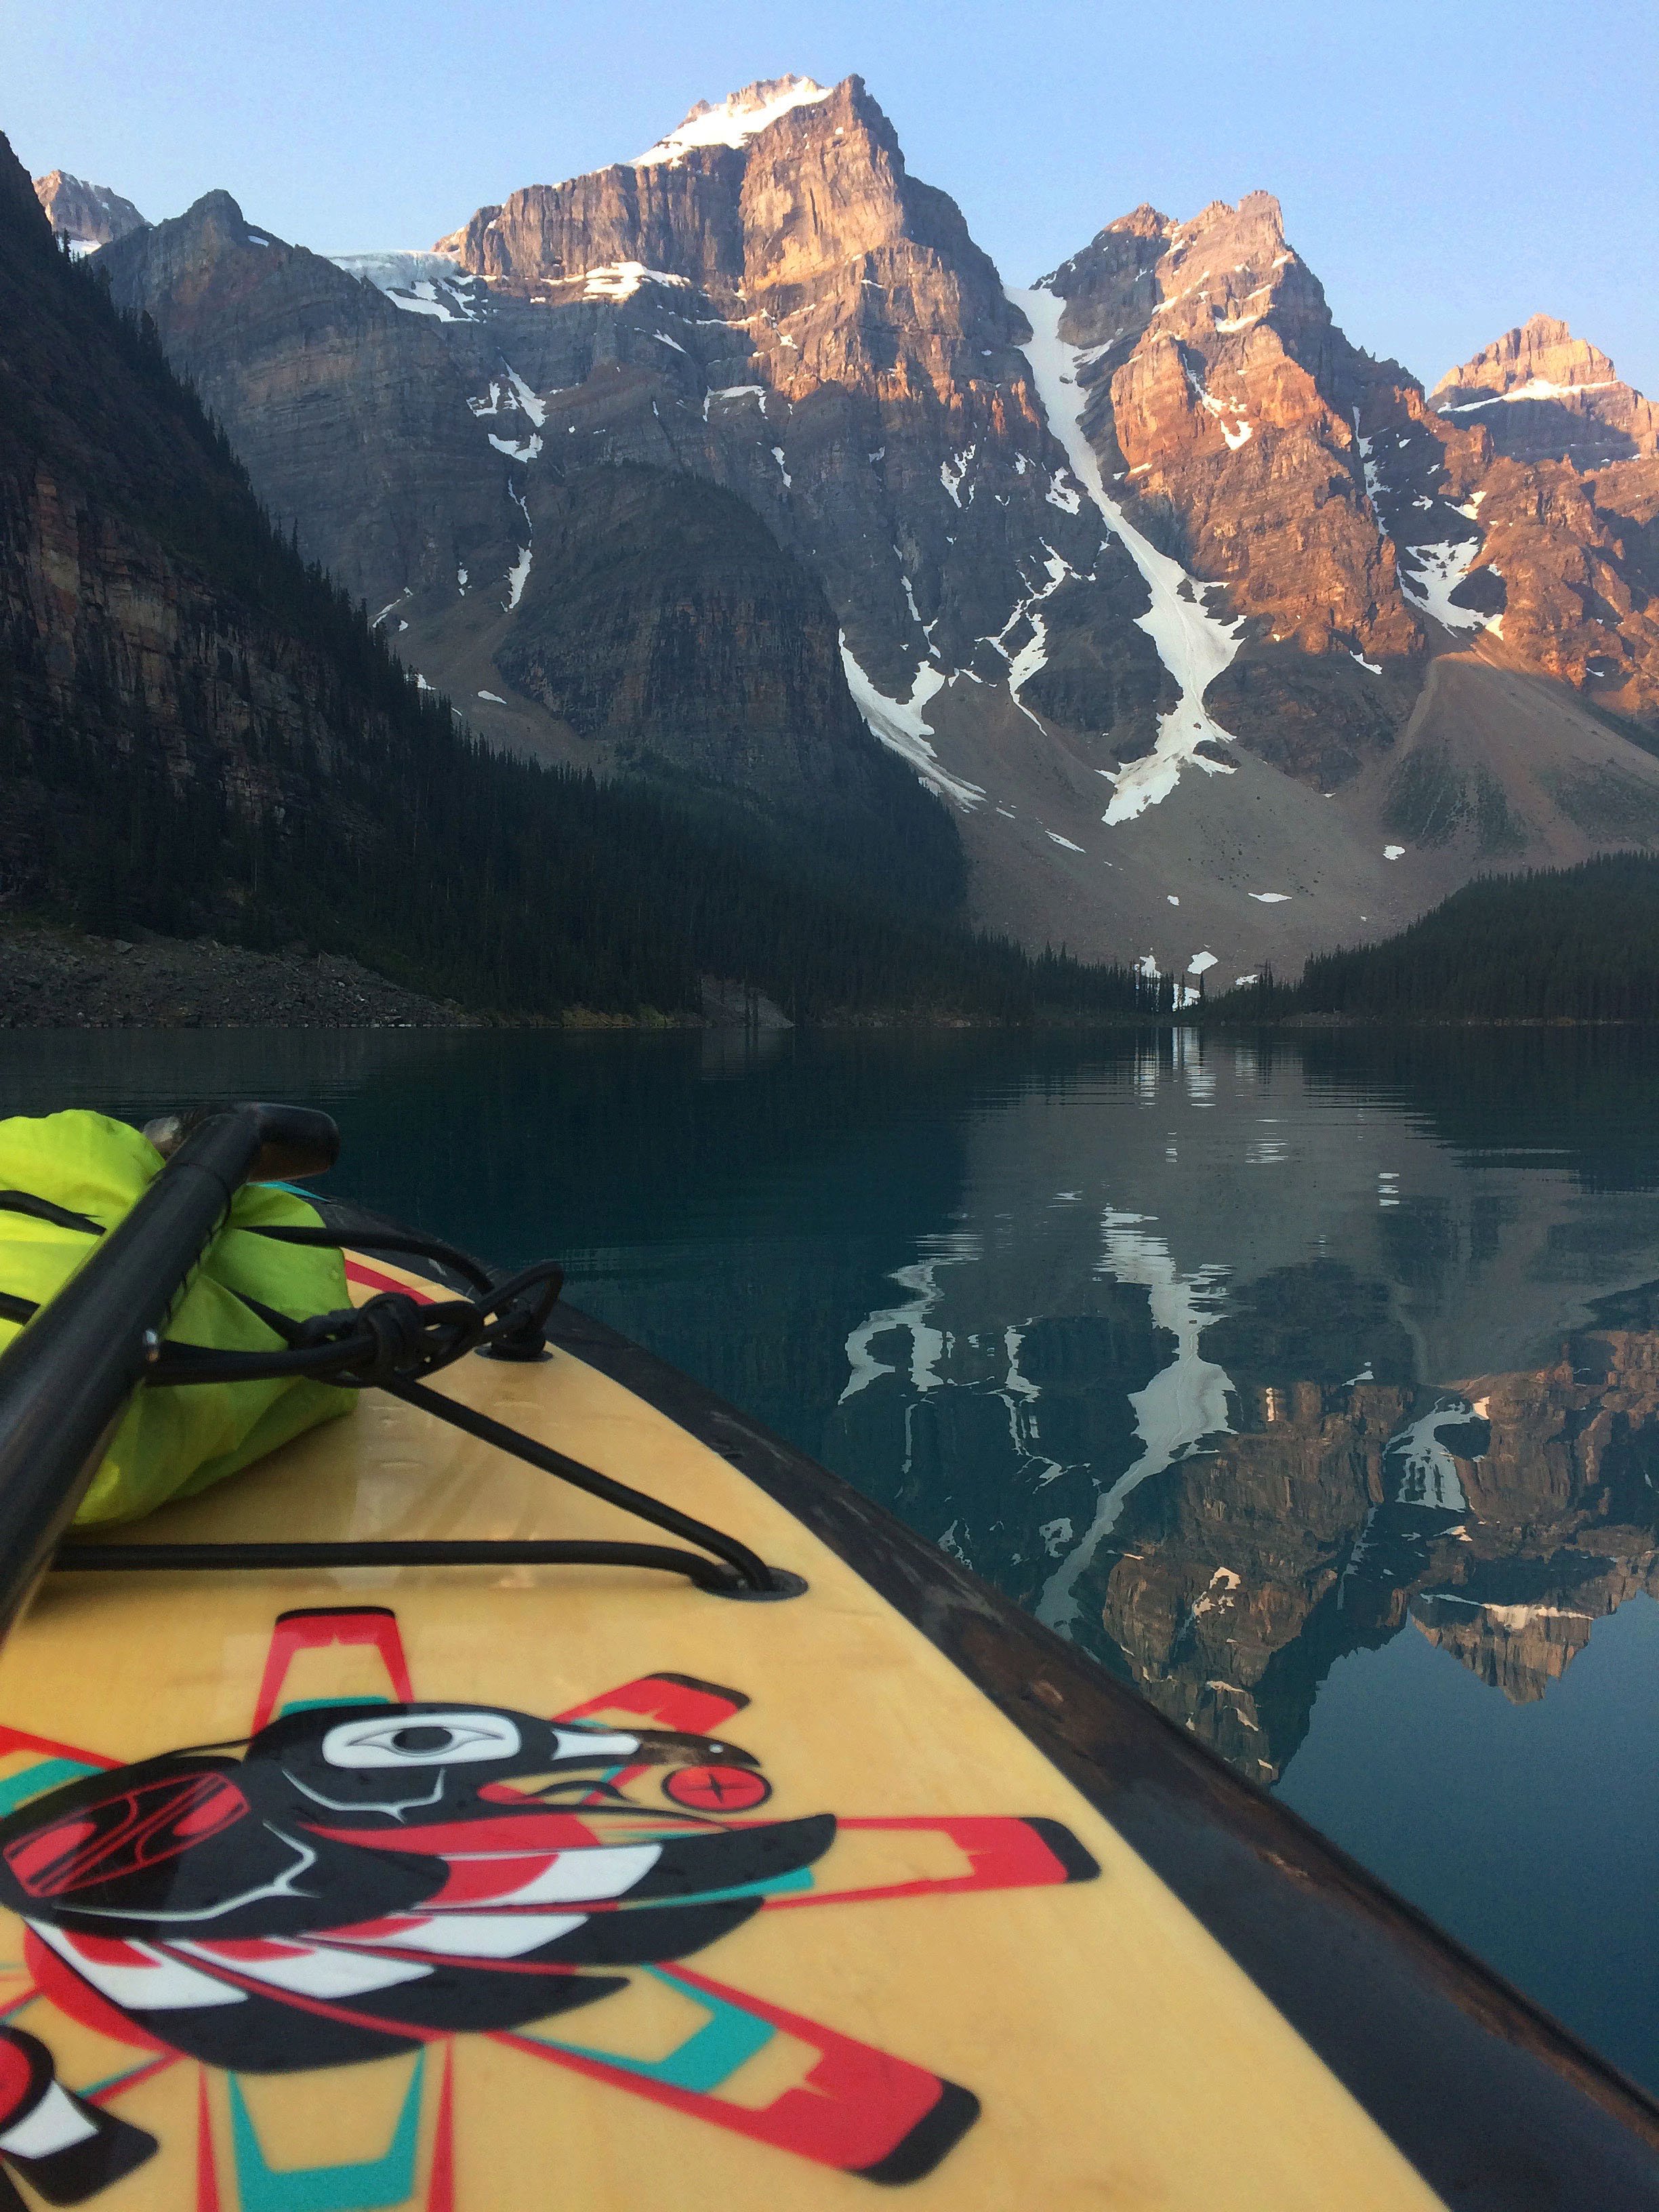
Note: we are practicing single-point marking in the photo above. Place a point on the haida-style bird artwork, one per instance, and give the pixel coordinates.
(362, 1880)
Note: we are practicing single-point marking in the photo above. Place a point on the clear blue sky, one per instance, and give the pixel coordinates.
(1446, 166)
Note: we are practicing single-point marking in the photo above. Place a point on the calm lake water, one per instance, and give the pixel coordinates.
(1312, 1387)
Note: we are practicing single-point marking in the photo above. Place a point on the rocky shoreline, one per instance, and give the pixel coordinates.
(59, 979)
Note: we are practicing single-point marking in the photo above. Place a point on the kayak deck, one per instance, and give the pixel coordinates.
(980, 1991)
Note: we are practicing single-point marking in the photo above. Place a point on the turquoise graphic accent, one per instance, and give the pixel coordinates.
(367, 2186)
(109, 2081)
(775, 1885)
(710, 2055)
(316, 1704)
(46, 1774)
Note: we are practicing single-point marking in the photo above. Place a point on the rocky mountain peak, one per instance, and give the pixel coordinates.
(1222, 271)
(1541, 352)
(1253, 231)
(737, 119)
(211, 241)
(1543, 395)
(807, 242)
(1222, 405)
(88, 215)
(701, 206)
(1144, 222)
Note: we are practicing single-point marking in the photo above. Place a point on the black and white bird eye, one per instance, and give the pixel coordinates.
(431, 1739)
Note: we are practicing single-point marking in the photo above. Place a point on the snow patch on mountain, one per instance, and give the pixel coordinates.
(1034, 653)
(1536, 387)
(735, 392)
(1193, 644)
(898, 724)
(517, 452)
(526, 398)
(445, 306)
(1236, 433)
(1441, 570)
(620, 280)
(1417, 1467)
(909, 592)
(737, 119)
(951, 478)
(420, 284)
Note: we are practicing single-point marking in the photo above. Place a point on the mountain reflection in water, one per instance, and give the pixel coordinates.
(1311, 1384)
(1497, 1518)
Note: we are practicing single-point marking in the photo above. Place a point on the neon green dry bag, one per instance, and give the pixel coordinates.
(89, 1170)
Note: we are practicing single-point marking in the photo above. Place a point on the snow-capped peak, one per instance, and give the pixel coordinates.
(737, 119)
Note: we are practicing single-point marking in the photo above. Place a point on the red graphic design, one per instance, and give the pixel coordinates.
(717, 1788)
(380, 1874)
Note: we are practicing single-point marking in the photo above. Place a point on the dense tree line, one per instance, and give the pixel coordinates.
(508, 886)
(1577, 943)
(397, 836)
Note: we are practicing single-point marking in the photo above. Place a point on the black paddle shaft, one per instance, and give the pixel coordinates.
(66, 1379)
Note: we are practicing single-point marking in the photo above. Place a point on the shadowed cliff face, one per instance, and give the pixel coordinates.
(1499, 1519)
(350, 418)
(123, 626)
(668, 629)
(663, 621)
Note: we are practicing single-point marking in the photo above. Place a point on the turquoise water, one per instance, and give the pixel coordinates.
(1313, 1388)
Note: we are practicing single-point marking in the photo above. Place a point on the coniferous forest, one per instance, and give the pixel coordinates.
(1578, 945)
(365, 818)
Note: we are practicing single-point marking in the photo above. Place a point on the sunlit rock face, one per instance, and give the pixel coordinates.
(1234, 420)
(87, 215)
(1563, 483)
(1353, 519)
(1541, 394)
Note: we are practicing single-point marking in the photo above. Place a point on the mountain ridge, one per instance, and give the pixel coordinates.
(201, 735)
(767, 300)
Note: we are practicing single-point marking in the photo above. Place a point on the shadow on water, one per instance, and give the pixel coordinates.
(1578, 1094)
(1311, 1382)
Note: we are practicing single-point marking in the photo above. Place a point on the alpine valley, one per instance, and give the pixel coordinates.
(1221, 639)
